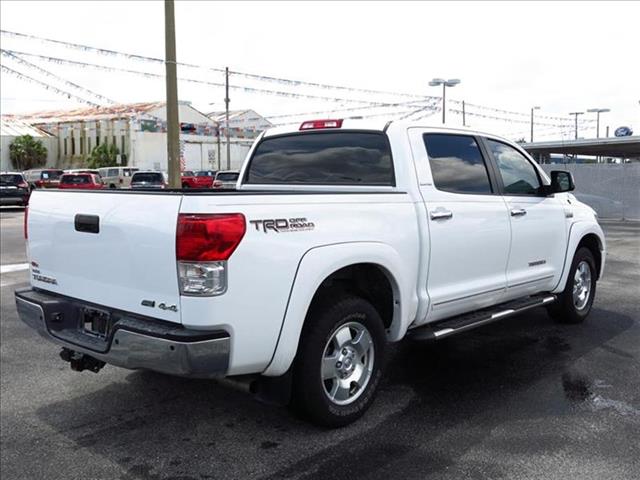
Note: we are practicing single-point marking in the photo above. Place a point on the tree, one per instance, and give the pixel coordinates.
(25, 152)
(103, 156)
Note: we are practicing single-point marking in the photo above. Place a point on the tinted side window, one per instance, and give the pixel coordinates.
(336, 158)
(456, 164)
(518, 175)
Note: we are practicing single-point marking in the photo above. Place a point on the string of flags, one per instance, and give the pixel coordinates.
(52, 75)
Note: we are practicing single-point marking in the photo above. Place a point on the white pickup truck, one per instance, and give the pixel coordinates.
(342, 236)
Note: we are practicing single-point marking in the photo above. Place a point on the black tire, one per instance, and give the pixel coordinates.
(184, 185)
(564, 310)
(112, 186)
(309, 396)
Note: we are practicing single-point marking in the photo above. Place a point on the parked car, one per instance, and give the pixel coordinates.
(226, 179)
(190, 179)
(149, 180)
(83, 181)
(43, 177)
(14, 189)
(117, 177)
(331, 249)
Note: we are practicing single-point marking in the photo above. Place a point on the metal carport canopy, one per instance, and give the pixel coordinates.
(608, 147)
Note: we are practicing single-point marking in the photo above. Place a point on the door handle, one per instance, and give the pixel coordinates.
(441, 215)
(518, 212)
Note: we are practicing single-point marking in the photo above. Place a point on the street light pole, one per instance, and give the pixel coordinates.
(173, 127)
(576, 117)
(452, 82)
(226, 114)
(532, 109)
(598, 111)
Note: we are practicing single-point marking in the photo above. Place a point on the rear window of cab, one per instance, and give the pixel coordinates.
(323, 158)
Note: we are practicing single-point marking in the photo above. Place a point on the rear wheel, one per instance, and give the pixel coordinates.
(339, 362)
(574, 303)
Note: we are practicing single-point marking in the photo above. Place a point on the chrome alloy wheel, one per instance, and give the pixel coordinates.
(581, 285)
(347, 363)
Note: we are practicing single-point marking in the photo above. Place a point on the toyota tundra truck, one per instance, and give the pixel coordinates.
(341, 237)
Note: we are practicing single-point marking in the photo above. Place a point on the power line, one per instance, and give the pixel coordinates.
(246, 89)
(52, 75)
(254, 76)
(46, 86)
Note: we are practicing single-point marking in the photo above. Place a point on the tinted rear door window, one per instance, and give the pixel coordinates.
(457, 164)
(327, 158)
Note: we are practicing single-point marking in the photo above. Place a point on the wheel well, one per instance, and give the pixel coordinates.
(592, 242)
(366, 280)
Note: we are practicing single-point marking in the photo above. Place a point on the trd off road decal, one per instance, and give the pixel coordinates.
(283, 225)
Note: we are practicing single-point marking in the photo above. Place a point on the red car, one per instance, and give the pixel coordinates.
(83, 181)
(196, 180)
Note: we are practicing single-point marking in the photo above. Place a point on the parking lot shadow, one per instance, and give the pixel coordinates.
(159, 427)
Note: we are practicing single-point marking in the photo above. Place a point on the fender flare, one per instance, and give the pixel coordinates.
(577, 232)
(319, 263)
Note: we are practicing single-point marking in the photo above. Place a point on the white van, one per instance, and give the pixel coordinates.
(117, 177)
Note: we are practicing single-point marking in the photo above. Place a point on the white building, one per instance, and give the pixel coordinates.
(244, 127)
(137, 130)
(11, 128)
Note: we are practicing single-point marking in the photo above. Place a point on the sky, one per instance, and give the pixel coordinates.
(562, 57)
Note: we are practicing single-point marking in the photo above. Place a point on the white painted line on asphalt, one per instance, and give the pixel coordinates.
(16, 267)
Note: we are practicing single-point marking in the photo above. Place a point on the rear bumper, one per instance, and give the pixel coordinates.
(132, 342)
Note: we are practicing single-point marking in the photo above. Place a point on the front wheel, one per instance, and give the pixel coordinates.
(339, 362)
(574, 303)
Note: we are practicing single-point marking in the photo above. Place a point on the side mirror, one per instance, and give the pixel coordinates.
(562, 181)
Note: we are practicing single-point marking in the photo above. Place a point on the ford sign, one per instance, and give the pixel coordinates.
(623, 132)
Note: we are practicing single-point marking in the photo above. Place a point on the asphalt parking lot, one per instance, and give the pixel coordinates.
(521, 399)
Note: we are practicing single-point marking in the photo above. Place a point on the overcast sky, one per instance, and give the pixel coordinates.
(562, 57)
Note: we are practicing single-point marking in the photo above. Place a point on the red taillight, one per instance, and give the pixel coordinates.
(26, 219)
(315, 124)
(23, 185)
(217, 184)
(208, 237)
(39, 183)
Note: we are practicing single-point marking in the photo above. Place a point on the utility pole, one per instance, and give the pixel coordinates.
(575, 114)
(173, 127)
(532, 109)
(464, 118)
(226, 101)
(219, 151)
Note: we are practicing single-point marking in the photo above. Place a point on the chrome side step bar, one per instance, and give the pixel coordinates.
(468, 321)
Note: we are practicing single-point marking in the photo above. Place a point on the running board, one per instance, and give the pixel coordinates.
(468, 321)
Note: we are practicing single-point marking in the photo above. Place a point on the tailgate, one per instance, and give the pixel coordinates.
(112, 249)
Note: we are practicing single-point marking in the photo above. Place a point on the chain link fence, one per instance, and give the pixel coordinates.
(612, 190)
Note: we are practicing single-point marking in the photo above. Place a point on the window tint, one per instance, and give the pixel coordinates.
(148, 177)
(75, 179)
(227, 176)
(336, 158)
(457, 164)
(518, 174)
(10, 179)
(112, 172)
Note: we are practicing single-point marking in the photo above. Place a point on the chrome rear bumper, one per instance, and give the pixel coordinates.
(132, 342)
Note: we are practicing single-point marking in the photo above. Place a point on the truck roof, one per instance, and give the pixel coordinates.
(375, 125)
